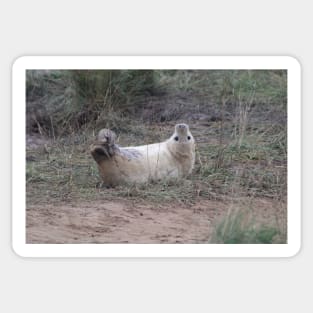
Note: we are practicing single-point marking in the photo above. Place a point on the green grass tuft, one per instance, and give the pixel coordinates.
(239, 227)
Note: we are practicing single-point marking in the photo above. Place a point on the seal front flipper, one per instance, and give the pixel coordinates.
(104, 147)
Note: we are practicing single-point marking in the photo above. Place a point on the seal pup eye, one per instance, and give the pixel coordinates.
(176, 138)
(188, 137)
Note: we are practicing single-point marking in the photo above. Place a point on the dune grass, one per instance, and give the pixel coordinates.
(240, 227)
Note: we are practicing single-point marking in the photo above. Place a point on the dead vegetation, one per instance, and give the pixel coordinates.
(238, 119)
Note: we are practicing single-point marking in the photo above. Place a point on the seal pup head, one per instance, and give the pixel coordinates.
(182, 134)
(181, 146)
(182, 141)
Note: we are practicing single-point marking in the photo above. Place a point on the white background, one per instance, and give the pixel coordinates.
(149, 28)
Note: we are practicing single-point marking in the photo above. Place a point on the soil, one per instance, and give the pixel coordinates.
(120, 222)
(129, 222)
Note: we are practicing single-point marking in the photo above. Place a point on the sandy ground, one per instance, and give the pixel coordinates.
(121, 222)
(128, 222)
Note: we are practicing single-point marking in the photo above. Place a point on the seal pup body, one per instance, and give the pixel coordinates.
(173, 158)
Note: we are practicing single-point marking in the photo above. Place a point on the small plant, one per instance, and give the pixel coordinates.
(239, 227)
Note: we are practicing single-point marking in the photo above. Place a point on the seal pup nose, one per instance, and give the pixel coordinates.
(181, 128)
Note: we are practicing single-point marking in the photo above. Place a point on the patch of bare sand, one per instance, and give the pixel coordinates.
(128, 222)
(121, 222)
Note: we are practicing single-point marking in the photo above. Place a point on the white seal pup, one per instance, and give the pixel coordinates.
(173, 158)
